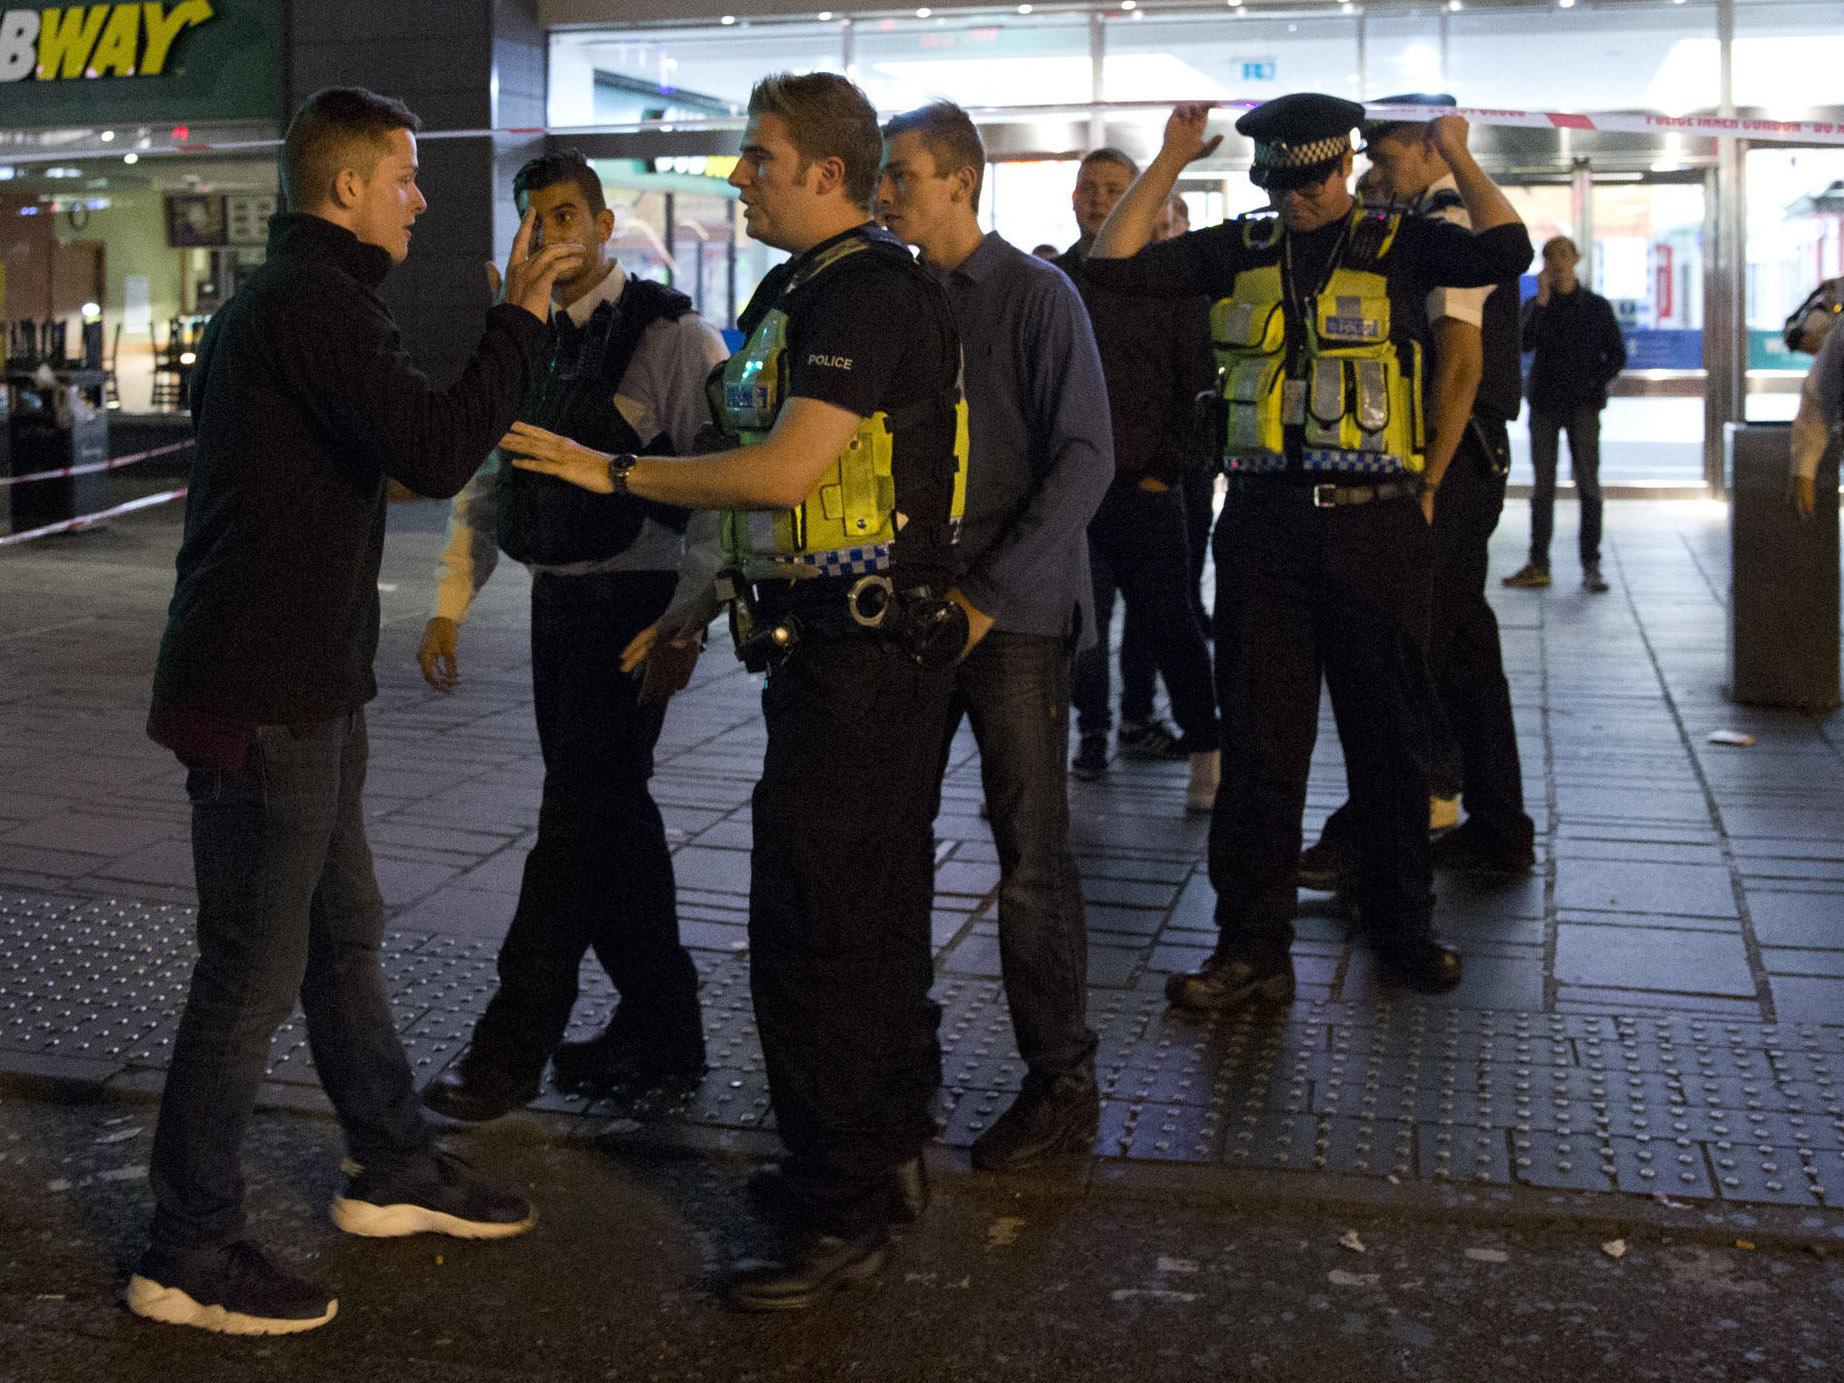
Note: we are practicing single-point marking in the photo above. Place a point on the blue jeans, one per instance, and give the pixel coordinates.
(1014, 688)
(288, 906)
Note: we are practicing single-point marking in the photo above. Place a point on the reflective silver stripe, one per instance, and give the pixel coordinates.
(1327, 404)
(1372, 400)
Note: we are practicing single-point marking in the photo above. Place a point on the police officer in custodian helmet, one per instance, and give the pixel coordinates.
(1323, 551)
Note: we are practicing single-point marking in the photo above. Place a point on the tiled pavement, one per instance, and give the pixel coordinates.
(1658, 1009)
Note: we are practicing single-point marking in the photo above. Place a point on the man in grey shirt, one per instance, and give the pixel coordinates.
(1040, 459)
(625, 372)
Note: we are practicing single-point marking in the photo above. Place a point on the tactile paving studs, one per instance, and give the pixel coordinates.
(1688, 1107)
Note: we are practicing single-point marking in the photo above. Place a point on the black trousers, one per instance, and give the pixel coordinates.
(1305, 593)
(841, 889)
(600, 875)
(1474, 747)
(1137, 667)
(1582, 423)
(1136, 545)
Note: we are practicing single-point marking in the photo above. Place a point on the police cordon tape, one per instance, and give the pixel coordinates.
(91, 468)
(85, 520)
(1756, 128)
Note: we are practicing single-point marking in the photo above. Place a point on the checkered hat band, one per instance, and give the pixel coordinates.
(1282, 155)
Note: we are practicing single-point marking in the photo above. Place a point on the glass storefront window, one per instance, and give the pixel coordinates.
(1603, 57)
(978, 60)
(1795, 242)
(1788, 54)
(1227, 57)
(602, 78)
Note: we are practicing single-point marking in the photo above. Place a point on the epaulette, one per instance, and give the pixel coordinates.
(1373, 231)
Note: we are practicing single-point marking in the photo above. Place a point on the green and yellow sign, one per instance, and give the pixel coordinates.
(121, 63)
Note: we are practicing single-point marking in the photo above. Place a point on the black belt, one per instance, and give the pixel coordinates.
(1325, 496)
(768, 618)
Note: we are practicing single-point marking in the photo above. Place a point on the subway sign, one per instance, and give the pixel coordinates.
(154, 61)
(88, 41)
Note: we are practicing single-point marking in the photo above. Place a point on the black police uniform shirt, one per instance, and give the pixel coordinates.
(867, 335)
(1426, 254)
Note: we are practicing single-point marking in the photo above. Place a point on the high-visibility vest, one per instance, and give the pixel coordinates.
(1342, 390)
(849, 522)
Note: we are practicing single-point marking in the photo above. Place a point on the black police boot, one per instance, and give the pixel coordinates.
(482, 1085)
(1423, 963)
(1225, 984)
(1473, 846)
(635, 1051)
(768, 1186)
(1048, 1119)
(812, 1267)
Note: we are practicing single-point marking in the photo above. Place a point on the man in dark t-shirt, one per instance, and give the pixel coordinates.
(842, 496)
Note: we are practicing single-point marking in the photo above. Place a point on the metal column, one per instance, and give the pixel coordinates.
(1725, 258)
(1097, 59)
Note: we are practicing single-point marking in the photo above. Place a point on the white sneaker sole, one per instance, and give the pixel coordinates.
(172, 1306)
(370, 1221)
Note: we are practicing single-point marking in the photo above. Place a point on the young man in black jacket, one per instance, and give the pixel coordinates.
(304, 406)
(1578, 351)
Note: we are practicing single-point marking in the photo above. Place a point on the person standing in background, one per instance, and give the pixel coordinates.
(1155, 366)
(1142, 735)
(1578, 351)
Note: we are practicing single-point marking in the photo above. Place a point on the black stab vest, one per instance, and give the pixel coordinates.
(550, 522)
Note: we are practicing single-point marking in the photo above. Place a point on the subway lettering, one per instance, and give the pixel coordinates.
(72, 42)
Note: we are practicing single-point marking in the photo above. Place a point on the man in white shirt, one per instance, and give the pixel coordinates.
(1474, 392)
(626, 372)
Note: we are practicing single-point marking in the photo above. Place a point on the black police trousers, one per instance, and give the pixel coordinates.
(1474, 747)
(1305, 592)
(840, 894)
(600, 874)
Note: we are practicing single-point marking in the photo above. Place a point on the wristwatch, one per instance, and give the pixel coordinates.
(618, 466)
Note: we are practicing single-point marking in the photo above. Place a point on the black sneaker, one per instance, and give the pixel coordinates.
(232, 1291)
(1047, 1120)
(812, 1267)
(1592, 579)
(1224, 984)
(1091, 759)
(1149, 739)
(480, 1087)
(620, 1056)
(1471, 846)
(440, 1195)
(1326, 867)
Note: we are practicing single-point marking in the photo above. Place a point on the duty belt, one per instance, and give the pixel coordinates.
(1325, 496)
(768, 620)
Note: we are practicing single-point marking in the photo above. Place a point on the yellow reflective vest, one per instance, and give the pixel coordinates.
(848, 523)
(1341, 391)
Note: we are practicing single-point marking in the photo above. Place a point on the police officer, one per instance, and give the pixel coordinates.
(843, 493)
(1474, 395)
(624, 371)
(1322, 552)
